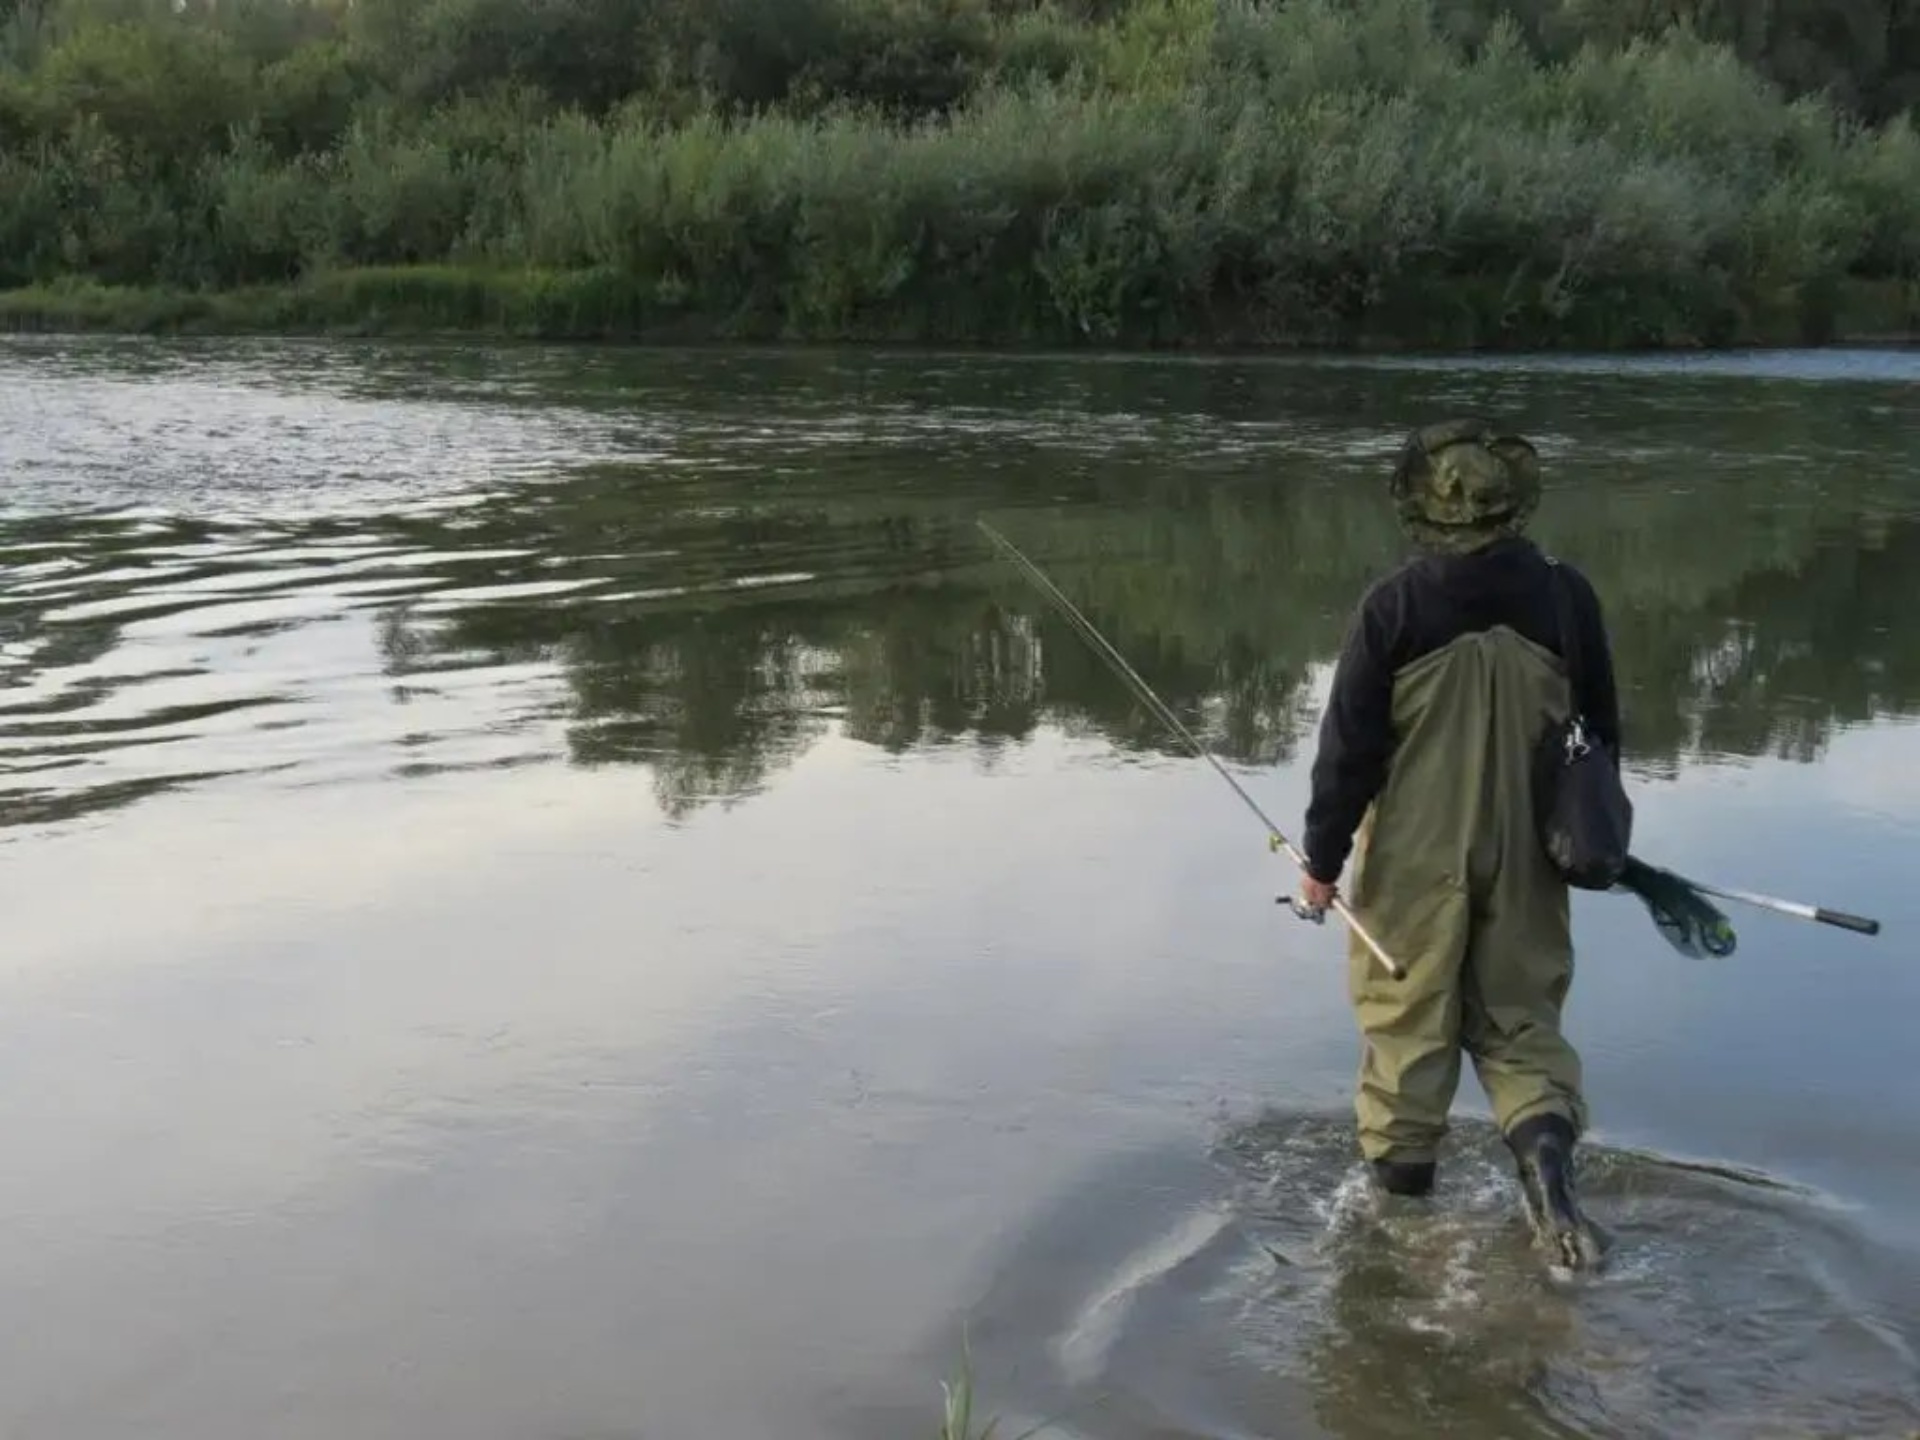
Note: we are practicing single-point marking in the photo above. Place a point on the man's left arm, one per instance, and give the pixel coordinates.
(1601, 692)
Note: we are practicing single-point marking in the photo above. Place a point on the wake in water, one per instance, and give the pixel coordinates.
(1282, 1296)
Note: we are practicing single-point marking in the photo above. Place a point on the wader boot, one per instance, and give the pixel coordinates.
(1452, 878)
(1543, 1153)
(1411, 1178)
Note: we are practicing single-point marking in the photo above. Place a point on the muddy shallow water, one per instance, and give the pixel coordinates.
(563, 893)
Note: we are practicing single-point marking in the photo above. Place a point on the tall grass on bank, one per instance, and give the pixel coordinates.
(1313, 172)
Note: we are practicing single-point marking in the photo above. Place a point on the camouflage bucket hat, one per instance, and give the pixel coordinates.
(1463, 483)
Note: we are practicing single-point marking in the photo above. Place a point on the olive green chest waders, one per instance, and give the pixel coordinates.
(1450, 876)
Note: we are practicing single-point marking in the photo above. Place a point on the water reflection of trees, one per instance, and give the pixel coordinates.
(1741, 628)
(799, 557)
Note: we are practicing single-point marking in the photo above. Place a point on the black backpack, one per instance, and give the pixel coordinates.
(1584, 815)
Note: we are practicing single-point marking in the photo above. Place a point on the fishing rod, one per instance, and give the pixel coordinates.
(1158, 707)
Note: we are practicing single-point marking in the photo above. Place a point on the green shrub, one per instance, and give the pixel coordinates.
(1157, 171)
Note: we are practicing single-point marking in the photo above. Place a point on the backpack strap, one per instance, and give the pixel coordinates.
(1569, 635)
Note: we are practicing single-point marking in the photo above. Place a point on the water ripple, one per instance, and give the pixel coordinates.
(301, 560)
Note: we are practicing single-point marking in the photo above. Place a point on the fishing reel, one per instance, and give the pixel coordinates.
(1312, 914)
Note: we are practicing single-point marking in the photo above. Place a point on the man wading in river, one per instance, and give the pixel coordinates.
(1449, 674)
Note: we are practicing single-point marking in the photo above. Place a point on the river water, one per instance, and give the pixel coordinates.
(563, 894)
